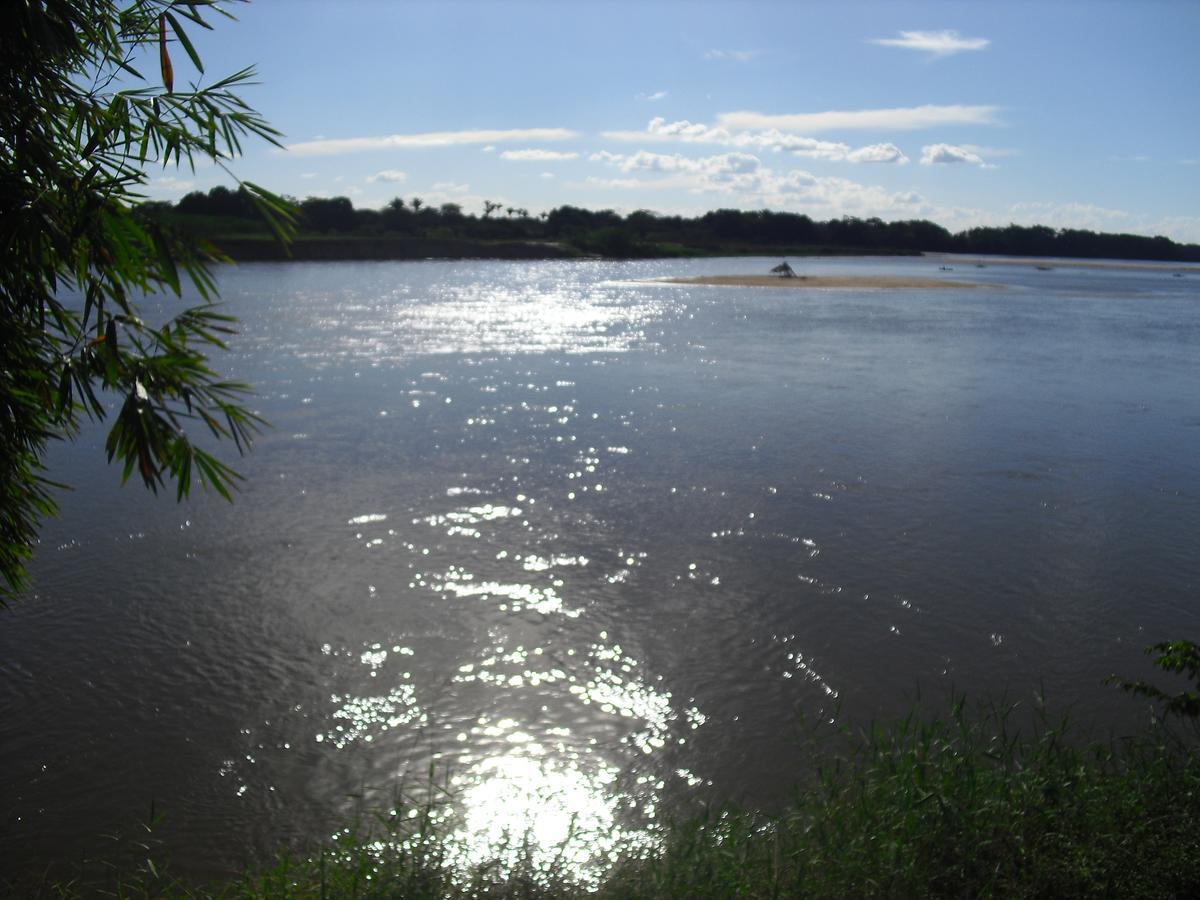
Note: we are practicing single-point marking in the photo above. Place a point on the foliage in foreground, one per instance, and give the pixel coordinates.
(963, 803)
(1179, 658)
(79, 128)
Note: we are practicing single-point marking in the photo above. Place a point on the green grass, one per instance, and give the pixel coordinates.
(957, 805)
(962, 803)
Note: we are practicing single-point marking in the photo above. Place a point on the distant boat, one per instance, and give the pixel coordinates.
(1045, 268)
(946, 268)
(783, 270)
(1177, 274)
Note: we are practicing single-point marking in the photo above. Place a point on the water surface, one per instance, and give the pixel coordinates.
(596, 546)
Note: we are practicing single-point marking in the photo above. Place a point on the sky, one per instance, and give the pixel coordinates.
(1069, 114)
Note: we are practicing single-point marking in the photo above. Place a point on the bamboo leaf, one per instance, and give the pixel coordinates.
(164, 58)
(187, 44)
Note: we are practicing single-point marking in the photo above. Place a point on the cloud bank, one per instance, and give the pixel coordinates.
(742, 179)
(896, 119)
(537, 155)
(659, 130)
(335, 146)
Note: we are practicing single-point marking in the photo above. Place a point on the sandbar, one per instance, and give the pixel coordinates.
(822, 281)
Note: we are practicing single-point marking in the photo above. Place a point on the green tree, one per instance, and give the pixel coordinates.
(328, 213)
(80, 127)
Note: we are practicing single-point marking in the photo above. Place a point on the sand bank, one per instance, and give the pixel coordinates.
(822, 281)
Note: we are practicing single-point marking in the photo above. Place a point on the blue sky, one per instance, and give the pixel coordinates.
(1068, 114)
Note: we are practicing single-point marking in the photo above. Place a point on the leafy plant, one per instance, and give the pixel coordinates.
(1182, 658)
(80, 127)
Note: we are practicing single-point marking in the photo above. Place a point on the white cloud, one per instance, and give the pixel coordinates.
(988, 152)
(742, 56)
(547, 175)
(831, 196)
(1101, 218)
(661, 131)
(428, 139)
(937, 43)
(652, 98)
(537, 155)
(878, 153)
(391, 176)
(624, 183)
(168, 186)
(308, 174)
(1185, 229)
(744, 181)
(644, 161)
(723, 173)
(1068, 215)
(453, 192)
(944, 154)
(490, 148)
(895, 119)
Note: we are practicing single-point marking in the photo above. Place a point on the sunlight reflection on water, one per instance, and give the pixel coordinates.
(540, 801)
(520, 784)
(529, 316)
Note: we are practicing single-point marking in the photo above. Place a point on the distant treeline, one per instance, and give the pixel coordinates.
(225, 212)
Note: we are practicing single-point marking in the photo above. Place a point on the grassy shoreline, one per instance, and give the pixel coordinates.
(978, 800)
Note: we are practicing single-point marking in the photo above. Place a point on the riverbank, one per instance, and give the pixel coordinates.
(359, 248)
(244, 242)
(995, 799)
(643, 234)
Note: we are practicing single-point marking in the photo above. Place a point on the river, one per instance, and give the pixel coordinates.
(599, 548)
